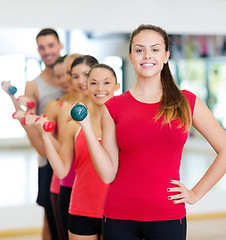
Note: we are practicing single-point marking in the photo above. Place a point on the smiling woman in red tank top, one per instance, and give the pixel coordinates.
(143, 134)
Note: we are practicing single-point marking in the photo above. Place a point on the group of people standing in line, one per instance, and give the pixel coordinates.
(115, 174)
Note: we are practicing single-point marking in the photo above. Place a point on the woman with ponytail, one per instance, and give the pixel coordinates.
(143, 134)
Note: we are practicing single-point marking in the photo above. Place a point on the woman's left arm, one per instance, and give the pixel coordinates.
(204, 121)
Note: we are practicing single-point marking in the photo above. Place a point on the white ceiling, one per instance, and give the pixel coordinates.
(176, 16)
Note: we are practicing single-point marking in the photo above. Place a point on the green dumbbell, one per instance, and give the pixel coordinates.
(11, 89)
(79, 112)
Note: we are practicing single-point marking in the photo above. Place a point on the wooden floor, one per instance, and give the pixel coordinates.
(213, 229)
(32, 237)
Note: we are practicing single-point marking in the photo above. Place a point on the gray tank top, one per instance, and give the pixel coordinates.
(46, 93)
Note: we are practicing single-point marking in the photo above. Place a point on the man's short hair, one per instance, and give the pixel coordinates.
(48, 31)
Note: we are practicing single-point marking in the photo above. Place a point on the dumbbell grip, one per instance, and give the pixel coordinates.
(11, 89)
(23, 100)
(79, 112)
(47, 126)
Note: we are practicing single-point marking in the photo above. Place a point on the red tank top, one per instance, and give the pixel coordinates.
(88, 190)
(149, 157)
(55, 184)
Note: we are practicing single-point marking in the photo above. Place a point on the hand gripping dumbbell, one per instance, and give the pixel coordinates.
(11, 89)
(20, 115)
(79, 112)
(25, 101)
(47, 126)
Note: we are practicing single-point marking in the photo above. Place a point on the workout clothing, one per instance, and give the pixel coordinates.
(44, 179)
(149, 157)
(88, 190)
(81, 225)
(69, 179)
(64, 197)
(43, 198)
(63, 206)
(144, 230)
(65, 186)
(54, 203)
(55, 184)
(46, 93)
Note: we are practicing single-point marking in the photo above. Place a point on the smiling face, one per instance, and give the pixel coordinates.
(59, 72)
(79, 74)
(49, 49)
(101, 85)
(148, 54)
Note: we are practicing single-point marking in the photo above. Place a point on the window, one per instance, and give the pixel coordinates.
(217, 88)
(117, 64)
(206, 78)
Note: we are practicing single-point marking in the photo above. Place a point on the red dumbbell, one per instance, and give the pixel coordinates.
(47, 126)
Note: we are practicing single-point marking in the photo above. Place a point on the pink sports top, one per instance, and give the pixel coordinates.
(149, 157)
(69, 179)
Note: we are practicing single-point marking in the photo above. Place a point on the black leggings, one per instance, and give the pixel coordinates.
(114, 229)
(63, 206)
(54, 202)
(44, 179)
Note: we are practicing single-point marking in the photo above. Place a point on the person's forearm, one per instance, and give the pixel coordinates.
(15, 102)
(56, 143)
(54, 158)
(215, 172)
(6, 85)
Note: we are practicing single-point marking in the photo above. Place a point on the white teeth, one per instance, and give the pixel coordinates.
(100, 95)
(148, 64)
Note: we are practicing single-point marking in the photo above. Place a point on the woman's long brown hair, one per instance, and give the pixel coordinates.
(174, 104)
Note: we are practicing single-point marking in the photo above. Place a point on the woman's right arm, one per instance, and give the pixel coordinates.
(104, 155)
(61, 162)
